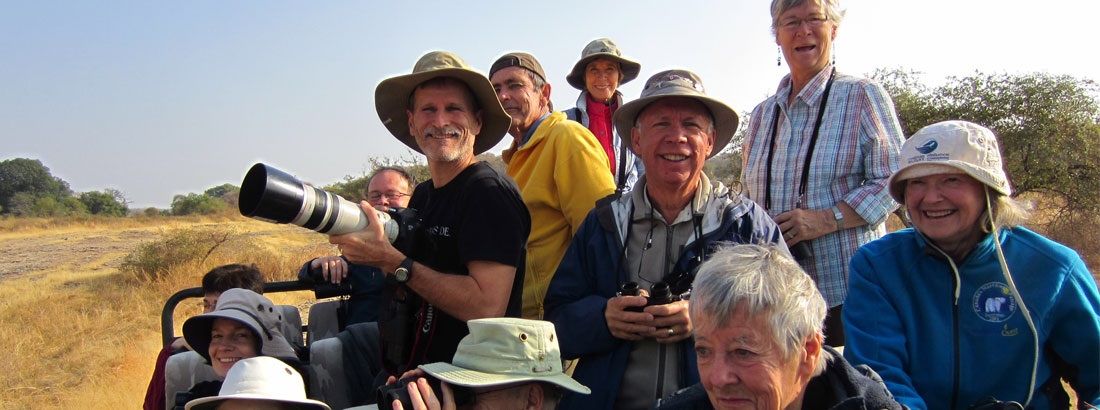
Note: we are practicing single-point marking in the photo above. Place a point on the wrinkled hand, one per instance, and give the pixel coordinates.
(672, 316)
(628, 325)
(333, 268)
(800, 225)
(368, 246)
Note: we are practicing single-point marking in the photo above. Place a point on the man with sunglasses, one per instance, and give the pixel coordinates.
(633, 350)
(389, 187)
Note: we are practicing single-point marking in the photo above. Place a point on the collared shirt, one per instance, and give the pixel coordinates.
(653, 248)
(857, 150)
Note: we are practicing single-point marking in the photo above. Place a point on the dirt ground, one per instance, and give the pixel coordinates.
(90, 250)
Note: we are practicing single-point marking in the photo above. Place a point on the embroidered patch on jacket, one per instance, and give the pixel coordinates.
(994, 302)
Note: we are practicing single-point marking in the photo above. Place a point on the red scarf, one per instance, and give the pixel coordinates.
(599, 122)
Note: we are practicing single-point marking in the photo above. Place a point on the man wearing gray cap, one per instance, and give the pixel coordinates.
(504, 363)
(559, 166)
(654, 238)
(468, 257)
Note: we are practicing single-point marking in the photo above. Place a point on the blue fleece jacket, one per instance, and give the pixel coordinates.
(946, 340)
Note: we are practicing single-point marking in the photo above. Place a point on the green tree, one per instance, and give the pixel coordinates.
(29, 176)
(109, 202)
(1048, 125)
(221, 191)
(196, 204)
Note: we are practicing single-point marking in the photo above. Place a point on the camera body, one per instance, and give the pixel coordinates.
(801, 251)
(399, 391)
(659, 294)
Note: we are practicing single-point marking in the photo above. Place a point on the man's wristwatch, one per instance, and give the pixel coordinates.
(404, 271)
(839, 216)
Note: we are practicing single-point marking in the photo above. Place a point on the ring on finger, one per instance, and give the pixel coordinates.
(671, 332)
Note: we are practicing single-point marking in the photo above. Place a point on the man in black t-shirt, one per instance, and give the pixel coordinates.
(468, 257)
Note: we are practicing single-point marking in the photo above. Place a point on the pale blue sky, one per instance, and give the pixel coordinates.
(164, 98)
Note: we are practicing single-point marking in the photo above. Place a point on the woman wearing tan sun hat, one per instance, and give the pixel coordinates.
(244, 324)
(598, 74)
(968, 304)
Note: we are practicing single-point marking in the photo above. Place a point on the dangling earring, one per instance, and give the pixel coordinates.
(834, 55)
(778, 56)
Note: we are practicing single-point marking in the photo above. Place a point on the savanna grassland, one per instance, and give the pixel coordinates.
(80, 299)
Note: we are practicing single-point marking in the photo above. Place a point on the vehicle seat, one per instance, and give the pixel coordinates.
(329, 381)
(324, 321)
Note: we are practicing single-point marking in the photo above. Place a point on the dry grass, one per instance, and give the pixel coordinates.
(80, 337)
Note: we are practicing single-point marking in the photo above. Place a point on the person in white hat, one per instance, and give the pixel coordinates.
(598, 74)
(259, 383)
(968, 304)
(504, 363)
(467, 261)
(629, 353)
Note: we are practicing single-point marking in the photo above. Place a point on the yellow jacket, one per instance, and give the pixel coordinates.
(561, 172)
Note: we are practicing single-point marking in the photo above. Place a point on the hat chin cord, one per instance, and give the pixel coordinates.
(1019, 298)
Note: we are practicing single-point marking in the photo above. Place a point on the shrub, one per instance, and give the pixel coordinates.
(155, 260)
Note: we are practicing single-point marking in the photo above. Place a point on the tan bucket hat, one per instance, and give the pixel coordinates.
(606, 49)
(245, 306)
(391, 99)
(502, 351)
(679, 83)
(260, 378)
(950, 147)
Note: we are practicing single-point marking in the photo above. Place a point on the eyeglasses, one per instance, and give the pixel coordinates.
(675, 80)
(391, 195)
(811, 22)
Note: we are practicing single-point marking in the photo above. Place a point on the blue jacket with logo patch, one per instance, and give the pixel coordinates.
(901, 318)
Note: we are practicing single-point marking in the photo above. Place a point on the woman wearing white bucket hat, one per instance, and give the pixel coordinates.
(1021, 309)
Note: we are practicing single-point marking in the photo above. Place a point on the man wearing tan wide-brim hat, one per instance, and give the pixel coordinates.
(631, 349)
(467, 259)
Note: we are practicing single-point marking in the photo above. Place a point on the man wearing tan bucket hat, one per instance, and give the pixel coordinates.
(504, 363)
(467, 260)
(559, 167)
(599, 73)
(654, 237)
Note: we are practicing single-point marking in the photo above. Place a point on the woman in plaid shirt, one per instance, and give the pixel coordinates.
(817, 154)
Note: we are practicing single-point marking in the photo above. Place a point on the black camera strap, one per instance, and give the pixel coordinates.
(809, 151)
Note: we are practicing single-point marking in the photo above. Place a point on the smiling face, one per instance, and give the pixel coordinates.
(805, 34)
(230, 341)
(444, 120)
(387, 184)
(742, 367)
(673, 137)
(601, 79)
(947, 209)
(525, 103)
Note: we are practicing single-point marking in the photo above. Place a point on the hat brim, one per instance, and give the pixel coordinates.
(212, 402)
(629, 68)
(196, 331)
(923, 169)
(391, 100)
(725, 118)
(471, 378)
